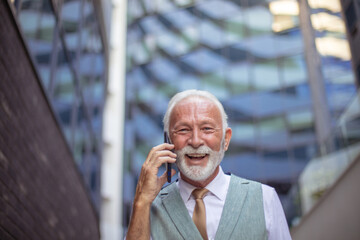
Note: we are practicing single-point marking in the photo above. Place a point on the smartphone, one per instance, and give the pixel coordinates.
(168, 165)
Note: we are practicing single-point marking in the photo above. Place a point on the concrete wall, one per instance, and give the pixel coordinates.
(337, 214)
(42, 195)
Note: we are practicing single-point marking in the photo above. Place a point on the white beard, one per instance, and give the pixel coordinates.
(199, 173)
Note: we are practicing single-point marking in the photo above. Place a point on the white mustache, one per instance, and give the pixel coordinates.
(191, 150)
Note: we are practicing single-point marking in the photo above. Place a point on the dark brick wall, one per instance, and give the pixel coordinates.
(41, 193)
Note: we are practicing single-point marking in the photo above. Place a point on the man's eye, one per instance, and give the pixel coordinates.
(183, 130)
(208, 129)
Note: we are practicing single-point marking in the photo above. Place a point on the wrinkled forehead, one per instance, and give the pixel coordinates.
(196, 105)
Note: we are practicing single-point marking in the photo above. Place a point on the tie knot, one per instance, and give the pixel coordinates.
(199, 193)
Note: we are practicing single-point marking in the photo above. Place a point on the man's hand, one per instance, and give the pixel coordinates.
(149, 184)
(148, 187)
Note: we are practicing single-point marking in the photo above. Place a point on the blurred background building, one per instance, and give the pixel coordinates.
(54, 64)
(67, 48)
(281, 68)
(286, 71)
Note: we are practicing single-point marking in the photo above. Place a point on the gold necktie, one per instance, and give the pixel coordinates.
(199, 215)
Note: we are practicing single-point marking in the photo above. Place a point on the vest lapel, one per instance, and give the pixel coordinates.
(178, 213)
(232, 208)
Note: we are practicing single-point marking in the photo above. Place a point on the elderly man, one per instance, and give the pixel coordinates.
(204, 203)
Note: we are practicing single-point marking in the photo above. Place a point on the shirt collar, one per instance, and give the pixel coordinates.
(218, 186)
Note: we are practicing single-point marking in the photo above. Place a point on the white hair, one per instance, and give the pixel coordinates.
(193, 93)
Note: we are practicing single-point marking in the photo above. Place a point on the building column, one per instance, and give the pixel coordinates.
(112, 165)
(316, 80)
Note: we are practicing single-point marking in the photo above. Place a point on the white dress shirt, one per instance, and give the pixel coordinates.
(214, 200)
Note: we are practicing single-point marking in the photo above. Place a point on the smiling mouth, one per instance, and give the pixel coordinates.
(196, 156)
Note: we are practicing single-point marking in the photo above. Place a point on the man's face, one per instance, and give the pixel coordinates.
(196, 131)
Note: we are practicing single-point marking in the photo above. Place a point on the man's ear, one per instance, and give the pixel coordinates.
(228, 134)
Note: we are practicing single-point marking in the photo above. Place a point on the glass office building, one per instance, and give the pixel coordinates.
(68, 52)
(254, 56)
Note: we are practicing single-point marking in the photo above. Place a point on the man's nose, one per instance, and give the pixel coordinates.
(196, 140)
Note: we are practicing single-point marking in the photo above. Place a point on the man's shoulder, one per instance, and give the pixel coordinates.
(166, 191)
(242, 180)
(268, 193)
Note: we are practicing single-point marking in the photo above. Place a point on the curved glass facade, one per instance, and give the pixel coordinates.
(68, 53)
(252, 56)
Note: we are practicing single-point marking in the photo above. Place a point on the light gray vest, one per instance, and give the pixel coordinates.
(242, 216)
